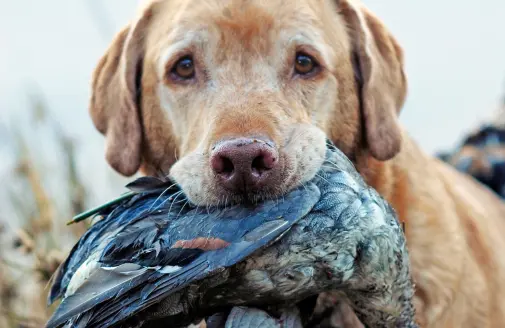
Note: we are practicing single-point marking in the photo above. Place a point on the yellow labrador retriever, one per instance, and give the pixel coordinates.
(234, 99)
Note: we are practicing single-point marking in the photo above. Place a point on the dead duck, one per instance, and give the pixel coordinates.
(156, 260)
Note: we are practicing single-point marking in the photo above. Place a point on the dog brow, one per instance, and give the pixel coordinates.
(180, 40)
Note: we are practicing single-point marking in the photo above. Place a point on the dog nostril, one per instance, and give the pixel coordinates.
(227, 166)
(262, 163)
(222, 165)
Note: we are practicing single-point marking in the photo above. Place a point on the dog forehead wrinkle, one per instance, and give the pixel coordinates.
(258, 25)
(245, 17)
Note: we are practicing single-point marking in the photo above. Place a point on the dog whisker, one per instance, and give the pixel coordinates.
(161, 195)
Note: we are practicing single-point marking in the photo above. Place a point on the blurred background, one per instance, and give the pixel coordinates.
(52, 164)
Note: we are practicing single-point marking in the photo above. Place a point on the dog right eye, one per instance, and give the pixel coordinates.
(305, 64)
(184, 69)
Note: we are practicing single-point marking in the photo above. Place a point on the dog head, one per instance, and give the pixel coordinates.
(234, 98)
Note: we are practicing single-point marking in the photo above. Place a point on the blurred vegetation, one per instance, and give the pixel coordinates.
(32, 250)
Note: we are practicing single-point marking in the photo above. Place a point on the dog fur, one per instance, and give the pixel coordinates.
(244, 86)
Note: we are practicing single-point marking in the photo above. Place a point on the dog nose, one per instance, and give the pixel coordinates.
(245, 165)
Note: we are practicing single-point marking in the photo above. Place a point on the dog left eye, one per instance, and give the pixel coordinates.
(305, 64)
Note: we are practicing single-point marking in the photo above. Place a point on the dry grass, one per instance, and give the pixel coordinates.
(32, 250)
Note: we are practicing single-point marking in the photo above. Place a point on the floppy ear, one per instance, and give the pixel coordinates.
(114, 106)
(379, 65)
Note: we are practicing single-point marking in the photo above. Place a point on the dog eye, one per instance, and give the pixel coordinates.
(184, 68)
(304, 64)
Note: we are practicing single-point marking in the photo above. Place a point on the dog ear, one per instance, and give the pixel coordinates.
(115, 94)
(379, 67)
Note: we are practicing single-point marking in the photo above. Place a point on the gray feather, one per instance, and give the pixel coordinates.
(98, 287)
